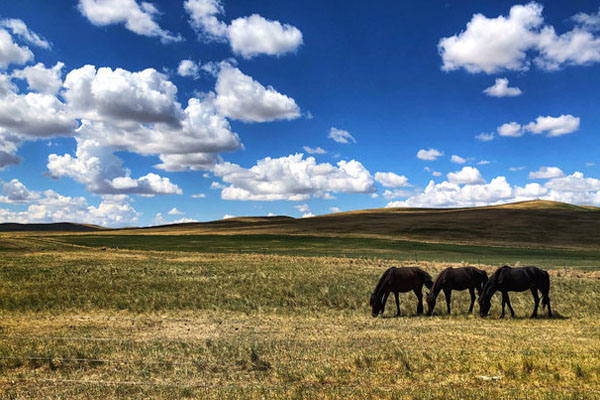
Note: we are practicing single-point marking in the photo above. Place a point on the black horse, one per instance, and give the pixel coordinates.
(397, 280)
(507, 279)
(456, 279)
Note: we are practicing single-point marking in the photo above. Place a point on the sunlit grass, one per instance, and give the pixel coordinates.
(199, 325)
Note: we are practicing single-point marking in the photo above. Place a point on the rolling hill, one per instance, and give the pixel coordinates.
(526, 224)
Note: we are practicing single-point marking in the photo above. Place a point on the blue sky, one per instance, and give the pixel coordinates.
(122, 112)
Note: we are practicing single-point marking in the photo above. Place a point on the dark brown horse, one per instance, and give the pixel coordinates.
(456, 279)
(398, 280)
(507, 279)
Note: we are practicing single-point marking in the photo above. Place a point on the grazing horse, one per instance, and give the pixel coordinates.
(456, 279)
(397, 280)
(507, 279)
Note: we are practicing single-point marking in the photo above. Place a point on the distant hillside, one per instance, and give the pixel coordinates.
(525, 224)
(532, 223)
(56, 227)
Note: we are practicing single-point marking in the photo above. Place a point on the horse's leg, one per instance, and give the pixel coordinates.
(448, 294)
(472, 293)
(383, 301)
(420, 298)
(536, 300)
(397, 304)
(546, 299)
(512, 312)
(504, 296)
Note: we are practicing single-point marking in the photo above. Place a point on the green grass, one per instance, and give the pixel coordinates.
(406, 251)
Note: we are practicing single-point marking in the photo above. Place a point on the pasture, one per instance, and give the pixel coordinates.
(80, 318)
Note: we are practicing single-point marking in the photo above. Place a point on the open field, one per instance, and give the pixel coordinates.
(94, 323)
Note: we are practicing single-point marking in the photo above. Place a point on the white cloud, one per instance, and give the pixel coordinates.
(457, 159)
(217, 185)
(198, 196)
(501, 89)
(241, 97)
(575, 182)
(174, 211)
(138, 18)
(303, 208)
(554, 126)
(292, 178)
(101, 171)
(491, 45)
(515, 169)
(546, 173)
(340, 136)
(42, 79)
(590, 164)
(228, 216)
(254, 35)
(511, 129)
(16, 192)
(483, 162)
(188, 68)
(20, 29)
(248, 36)
(314, 150)
(429, 155)
(436, 173)
(467, 175)
(589, 21)
(394, 194)
(112, 211)
(390, 179)
(9, 142)
(120, 95)
(12, 53)
(334, 209)
(183, 221)
(485, 137)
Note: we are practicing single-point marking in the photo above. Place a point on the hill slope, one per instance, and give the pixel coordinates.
(533, 223)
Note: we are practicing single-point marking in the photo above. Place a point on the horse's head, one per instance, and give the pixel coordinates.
(430, 303)
(375, 304)
(484, 305)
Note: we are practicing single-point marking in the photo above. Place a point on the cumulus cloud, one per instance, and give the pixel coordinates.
(188, 68)
(314, 150)
(467, 175)
(292, 178)
(429, 155)
(551, 126)
(20, 29)
(42, 79)
(334, 209)
(113, 211)
(513, 42)
(101, 171)
(511, 129)
(501, 89)
(228, 216)
(174, 211)
(305, 210)
(198, 196)
(485, 137)
(9, 142)
(554, 126)
(340, 136)
(241, 97)
(248, 36)
(457, 159)
(138, 18)
(483, 162)
(16, 192)
(390, 179)
(546, 173)
(120, 95)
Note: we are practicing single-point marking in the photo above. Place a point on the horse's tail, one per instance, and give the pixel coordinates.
(546, 292)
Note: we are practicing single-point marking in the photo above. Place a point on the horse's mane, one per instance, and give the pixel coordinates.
(426, 277)
(490, 287)
(381, 281)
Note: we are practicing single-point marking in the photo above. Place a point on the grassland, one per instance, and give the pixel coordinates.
(95, 322)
